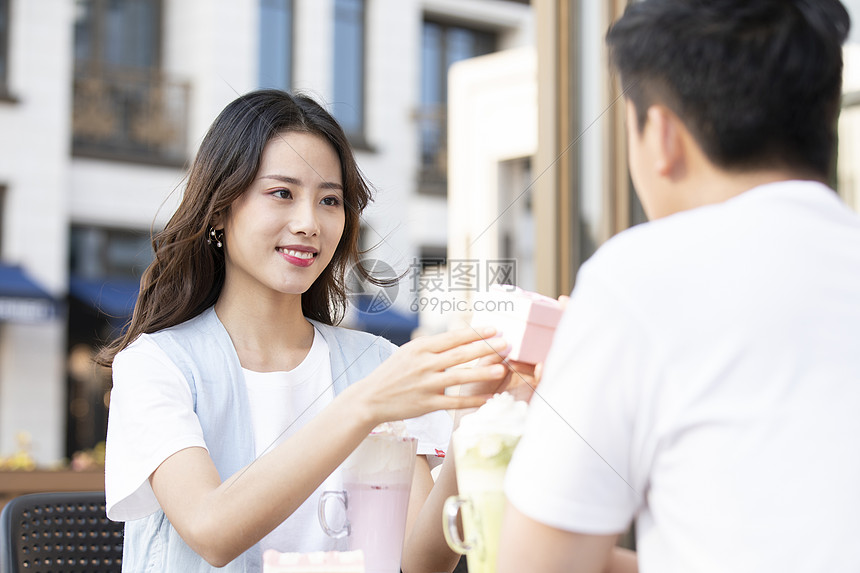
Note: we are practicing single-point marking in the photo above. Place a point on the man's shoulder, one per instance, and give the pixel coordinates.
(721, 233)
(645, 248)
(663, 260)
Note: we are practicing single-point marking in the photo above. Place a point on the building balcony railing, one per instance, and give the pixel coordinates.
(130, 116)
(433, 129)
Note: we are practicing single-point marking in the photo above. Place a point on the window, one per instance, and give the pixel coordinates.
(442, 45)
(124, 107)
(433, 256)
(348, 104)
(4, 46)
(516, 225)
(117, 34)
(98, 252)
(2, 216)
(276, 44)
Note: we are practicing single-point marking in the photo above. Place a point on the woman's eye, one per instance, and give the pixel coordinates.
(331, 201)
(282, 194)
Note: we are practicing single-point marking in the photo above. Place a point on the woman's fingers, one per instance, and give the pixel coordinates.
(452, 339)
(453, 402)
(477, 349)
(493, 358)
(458, 376)
(415, 379)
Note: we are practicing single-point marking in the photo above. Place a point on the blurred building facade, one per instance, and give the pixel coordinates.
(582, 124)
(565, 139)
(102, 106)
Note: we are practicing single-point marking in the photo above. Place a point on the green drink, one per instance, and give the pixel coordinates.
(483, 445)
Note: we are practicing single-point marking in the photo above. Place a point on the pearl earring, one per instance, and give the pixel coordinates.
(215, 236)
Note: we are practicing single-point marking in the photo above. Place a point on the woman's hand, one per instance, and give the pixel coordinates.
(521, 379)
(413, 380)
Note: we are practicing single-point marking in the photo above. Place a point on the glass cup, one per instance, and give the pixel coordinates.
(481, 467)
(377, 479)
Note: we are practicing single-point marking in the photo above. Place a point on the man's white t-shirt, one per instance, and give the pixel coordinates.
(152, 417)
(705, 379)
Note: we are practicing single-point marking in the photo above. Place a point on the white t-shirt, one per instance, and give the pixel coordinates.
(705, 379)
(152, 417)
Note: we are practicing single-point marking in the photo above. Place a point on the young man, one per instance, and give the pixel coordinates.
(705, 379)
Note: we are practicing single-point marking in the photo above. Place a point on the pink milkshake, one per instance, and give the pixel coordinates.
(377, 479)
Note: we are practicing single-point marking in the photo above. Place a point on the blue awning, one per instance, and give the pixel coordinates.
(113, 297)
(22, 299)
(383, 320)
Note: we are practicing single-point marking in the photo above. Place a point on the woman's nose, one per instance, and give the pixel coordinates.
(304, 219)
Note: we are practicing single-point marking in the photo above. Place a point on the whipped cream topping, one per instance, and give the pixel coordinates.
(492, 425)
(386, 455)
(397, 429)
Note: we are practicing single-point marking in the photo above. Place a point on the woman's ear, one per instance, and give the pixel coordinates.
(217, 222)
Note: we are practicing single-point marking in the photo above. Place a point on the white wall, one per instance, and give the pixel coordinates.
(392, 92)
(492, 117)
(114, 194)
(34, 139)
(313, 47)
(34, 157)
(212, 43)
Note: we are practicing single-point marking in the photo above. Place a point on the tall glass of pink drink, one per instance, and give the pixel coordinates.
(377, 479)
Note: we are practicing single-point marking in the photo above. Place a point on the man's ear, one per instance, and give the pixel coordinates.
(665, 133)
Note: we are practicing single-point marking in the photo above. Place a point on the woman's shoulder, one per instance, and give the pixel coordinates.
(194, 326)
(143, 355)
(181, 344)
(145, 344)
(351, 339)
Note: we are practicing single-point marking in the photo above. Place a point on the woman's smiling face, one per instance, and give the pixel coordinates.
(283, 231)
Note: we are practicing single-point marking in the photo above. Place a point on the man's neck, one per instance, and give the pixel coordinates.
(715, 185)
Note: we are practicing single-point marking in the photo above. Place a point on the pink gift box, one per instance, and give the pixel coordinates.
(527, 320)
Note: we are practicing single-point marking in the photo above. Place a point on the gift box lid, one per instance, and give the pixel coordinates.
(523, 305)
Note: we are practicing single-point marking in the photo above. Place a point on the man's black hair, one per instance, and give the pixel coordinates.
(757, 82)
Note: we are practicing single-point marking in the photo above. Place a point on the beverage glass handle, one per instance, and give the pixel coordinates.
(340, 496)
(449, 524)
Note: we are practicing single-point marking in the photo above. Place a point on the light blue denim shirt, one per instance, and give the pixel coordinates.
(203, 351)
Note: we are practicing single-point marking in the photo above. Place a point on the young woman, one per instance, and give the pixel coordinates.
(235, 398)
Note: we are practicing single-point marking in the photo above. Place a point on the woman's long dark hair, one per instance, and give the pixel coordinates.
(187, 274)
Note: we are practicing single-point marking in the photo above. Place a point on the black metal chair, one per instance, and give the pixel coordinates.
(59, 532)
